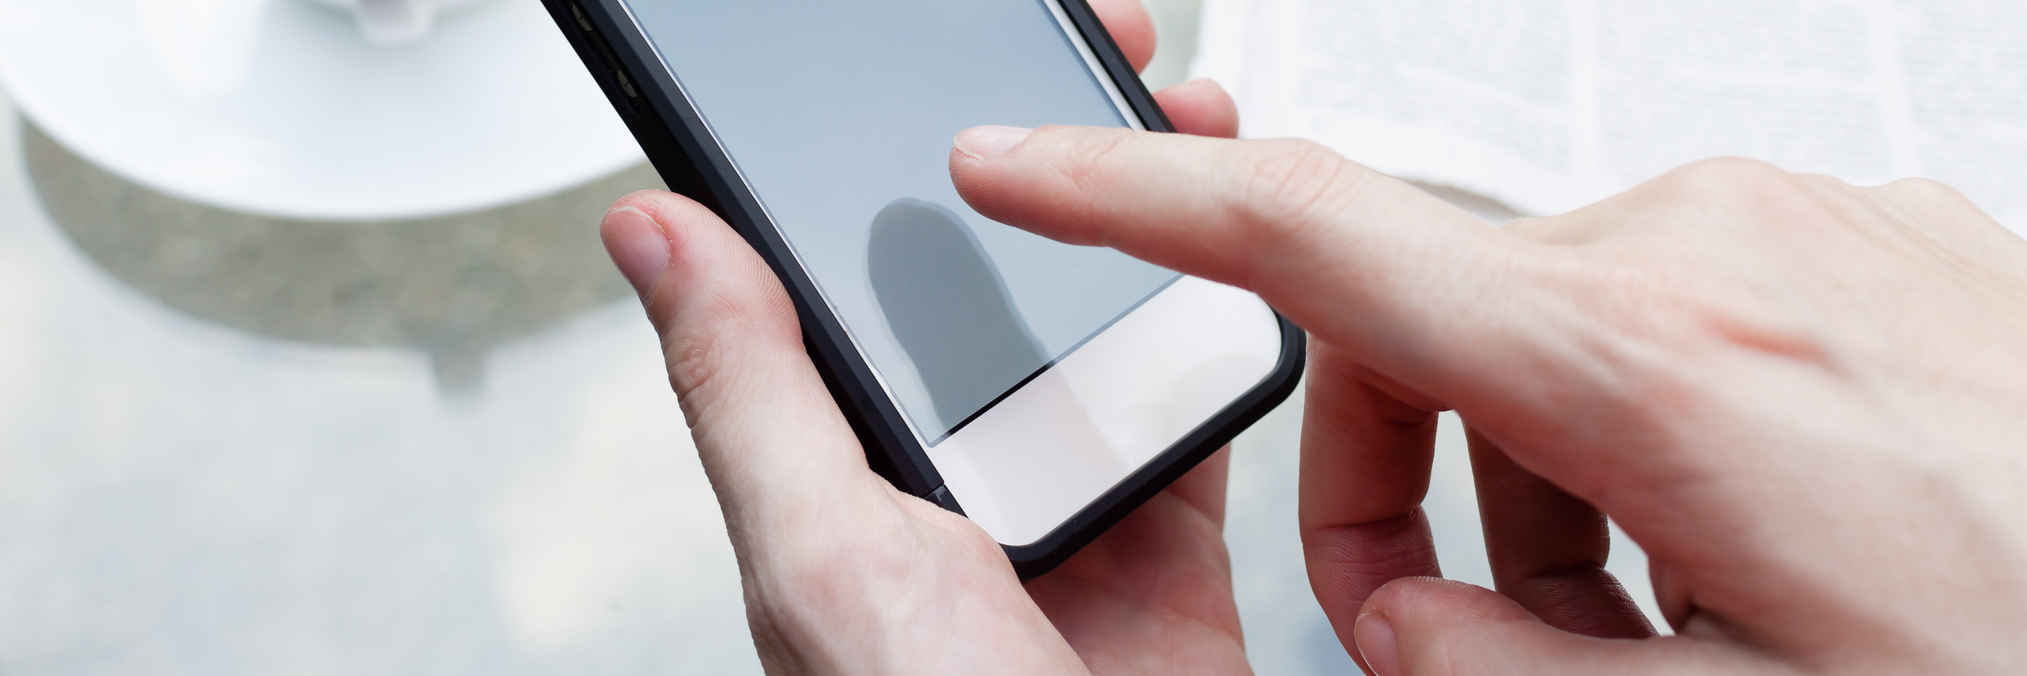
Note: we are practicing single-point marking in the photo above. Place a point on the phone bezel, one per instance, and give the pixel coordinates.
(693, 163)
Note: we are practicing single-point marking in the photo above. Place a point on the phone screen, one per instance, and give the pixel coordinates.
(840, 116)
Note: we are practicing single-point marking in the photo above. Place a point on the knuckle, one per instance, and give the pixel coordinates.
(695, 355)
(1747, 199)
(717, 330)
(1100, 157)
(1661, 319)
(1386, 547)
(1288, 179)
(1529, 227)
(1085, 169)
(1922, 191)
(1565, 229)
(1729, 180)
(695, 364)
(1827, 183)
(1926, 185)
(1290, 190)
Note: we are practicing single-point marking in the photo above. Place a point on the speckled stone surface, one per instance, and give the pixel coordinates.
(452, 286)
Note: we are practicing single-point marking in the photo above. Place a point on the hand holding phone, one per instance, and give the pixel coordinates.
(846, 574)
(1044, 390)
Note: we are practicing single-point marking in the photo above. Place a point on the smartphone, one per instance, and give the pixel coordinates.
(1041, 389)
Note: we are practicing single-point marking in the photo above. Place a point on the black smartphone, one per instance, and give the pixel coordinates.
(1041, 389)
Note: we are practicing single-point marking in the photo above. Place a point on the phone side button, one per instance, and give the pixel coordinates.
(941, 497)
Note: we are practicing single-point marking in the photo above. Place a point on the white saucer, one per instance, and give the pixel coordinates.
(281, 108)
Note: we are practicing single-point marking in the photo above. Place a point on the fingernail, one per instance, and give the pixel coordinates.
(637, 244)
(982, 142)
(1375, 637)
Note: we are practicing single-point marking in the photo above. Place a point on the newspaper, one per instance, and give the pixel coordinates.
(1547, 105)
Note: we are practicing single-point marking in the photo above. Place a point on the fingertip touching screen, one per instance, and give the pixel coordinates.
(840, 115)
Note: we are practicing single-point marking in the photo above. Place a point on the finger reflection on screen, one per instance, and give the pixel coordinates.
(949, 308)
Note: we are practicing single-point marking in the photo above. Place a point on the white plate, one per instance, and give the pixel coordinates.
(281, 108)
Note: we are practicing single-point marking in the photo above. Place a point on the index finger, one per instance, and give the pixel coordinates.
(1394, 276)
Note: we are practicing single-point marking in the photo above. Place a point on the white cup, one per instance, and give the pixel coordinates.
(393, 22)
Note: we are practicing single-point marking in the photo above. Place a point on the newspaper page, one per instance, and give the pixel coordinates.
(1548, 105)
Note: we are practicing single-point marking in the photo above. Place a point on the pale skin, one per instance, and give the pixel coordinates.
(1804, 399)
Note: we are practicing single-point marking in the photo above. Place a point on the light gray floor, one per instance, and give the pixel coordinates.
(237, 446)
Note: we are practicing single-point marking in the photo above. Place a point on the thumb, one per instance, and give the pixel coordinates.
(1434, 627)
(737, 362)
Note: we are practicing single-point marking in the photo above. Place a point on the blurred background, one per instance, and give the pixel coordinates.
(326, 418)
